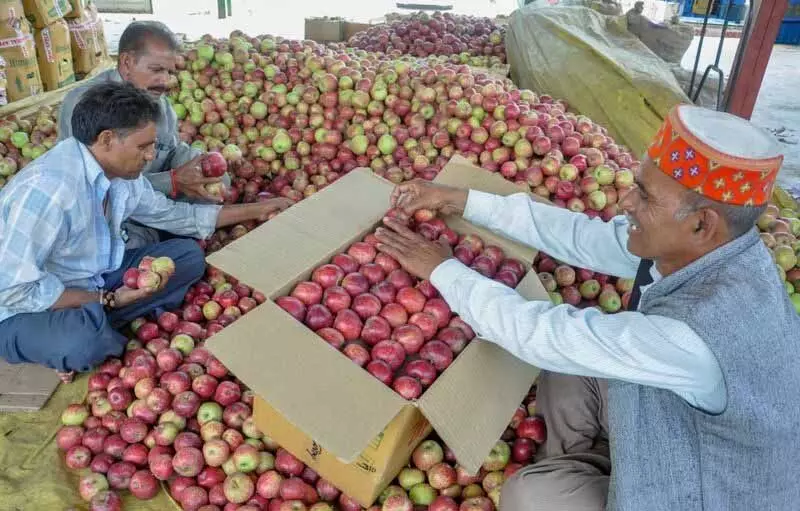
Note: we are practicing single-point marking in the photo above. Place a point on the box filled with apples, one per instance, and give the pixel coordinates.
(334, 300)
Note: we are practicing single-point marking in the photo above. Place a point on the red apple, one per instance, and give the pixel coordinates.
(355, 284)
(422, 370)
(366, 305)
(427, 322)
(336, 298)
(357, 353)
(308, 292)
(412, 299)
(408, 387)
(327, 275)
(293, 306)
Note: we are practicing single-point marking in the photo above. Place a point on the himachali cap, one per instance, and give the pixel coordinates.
(718, 155)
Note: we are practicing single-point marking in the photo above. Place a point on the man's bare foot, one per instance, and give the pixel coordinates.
(66, 377)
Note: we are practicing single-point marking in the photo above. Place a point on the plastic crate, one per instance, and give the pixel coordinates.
(789, 32)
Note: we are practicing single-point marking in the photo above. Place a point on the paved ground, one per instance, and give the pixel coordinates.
(778, 107)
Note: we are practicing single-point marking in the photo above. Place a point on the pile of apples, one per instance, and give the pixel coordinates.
(169, 411)
(23, 140)
(469, 40)
(780, 232)
(395, 326)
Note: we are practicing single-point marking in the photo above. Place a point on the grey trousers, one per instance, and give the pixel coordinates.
(572, 468)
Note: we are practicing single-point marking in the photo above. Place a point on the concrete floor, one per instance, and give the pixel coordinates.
(777, 109)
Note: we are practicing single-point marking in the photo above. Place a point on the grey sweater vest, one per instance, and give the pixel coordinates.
(667, 455)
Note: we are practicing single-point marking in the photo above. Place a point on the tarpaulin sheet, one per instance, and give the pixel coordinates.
(33, 476)
(594, 63)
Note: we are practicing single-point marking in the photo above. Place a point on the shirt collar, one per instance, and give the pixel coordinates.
(94, 172)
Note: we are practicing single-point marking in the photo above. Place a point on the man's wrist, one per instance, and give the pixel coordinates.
(173, 176)
(456, 200)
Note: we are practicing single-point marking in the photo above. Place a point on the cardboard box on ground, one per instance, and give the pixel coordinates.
(44, 12)
(18, 50)
(314, 401)
(55, 55)
(324, 30)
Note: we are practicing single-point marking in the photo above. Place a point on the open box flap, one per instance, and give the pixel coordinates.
(284, 362)
(471, 404)
(299, 239)
(306, 380)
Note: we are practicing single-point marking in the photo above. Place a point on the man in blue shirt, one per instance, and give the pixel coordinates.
(147, 53)
(62, 253)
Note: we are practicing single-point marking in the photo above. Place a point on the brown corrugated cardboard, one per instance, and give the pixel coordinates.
(19, 51)
(44, 12)
(100, 34)
(351, 28)
(86, 50)
(78, 8)
(55, 55)
(324, 30)
(313, 400)
(10, 9)
(25, 387)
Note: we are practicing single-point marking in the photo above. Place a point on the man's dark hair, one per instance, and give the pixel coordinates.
(119, 107)
(136, 35)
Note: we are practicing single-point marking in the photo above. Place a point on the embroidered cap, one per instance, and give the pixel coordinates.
(718, 155)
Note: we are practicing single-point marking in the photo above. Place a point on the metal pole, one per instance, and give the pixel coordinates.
(700, 47)
(753, 56)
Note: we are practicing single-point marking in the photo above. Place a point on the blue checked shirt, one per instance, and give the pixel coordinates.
(55, 232)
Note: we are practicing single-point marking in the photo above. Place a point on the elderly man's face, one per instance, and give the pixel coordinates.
(150, 70)
(652, 207)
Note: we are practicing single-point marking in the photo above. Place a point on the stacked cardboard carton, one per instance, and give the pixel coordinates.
(55, 55)
(88, 40)
(18, 50)
(51, 37)
(327, 411)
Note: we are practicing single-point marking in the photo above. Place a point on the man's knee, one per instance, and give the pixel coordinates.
(190, 260)
(557, 484)
(89, 341)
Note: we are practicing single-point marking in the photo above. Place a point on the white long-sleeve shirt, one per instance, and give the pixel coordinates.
(645, 349)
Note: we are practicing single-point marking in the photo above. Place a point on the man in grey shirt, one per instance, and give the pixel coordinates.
(147, 51)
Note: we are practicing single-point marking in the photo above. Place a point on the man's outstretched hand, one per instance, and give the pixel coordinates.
(124, 296)
(270, 206)
(421, 194)
(192, 183)
(417, 255)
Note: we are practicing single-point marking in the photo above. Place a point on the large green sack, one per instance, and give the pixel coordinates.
(594, 63)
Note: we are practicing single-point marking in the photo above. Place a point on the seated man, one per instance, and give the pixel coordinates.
(62, 255)
(147, 53)
(688, 400)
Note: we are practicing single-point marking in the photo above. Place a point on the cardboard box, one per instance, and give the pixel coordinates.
(324, 30)
(44, 12)
(351, 28)
(86, 49)
(19, 51)
(327, 411)
(55, 55)
(10, 9)
(78, 8)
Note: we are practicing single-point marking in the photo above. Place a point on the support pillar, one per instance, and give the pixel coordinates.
(753, 55)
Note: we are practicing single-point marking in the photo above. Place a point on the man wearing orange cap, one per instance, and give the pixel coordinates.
(693, 396)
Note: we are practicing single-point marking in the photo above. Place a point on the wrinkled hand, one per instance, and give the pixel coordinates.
(271, 206)
(421, 194)
(124, 295)
(416, 254)
(192, 183)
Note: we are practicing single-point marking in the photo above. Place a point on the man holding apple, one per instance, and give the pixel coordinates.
(147, 53)
(691, 399)
(63, 260)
